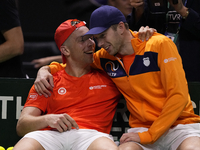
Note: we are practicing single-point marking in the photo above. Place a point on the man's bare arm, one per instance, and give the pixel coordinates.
(46, 61)
(32, 120)
(14, 44)
(44, 81)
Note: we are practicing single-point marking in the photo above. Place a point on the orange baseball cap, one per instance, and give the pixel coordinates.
(65, 30)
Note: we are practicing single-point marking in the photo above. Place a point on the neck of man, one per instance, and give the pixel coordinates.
(126, 47)
(77, 70)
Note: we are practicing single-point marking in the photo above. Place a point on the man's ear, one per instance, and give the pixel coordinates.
(121, 27)
(64, 50)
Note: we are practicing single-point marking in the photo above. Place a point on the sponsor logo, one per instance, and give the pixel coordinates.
(169, 59)
(97, 87)
(33, 96)
(62, 91)
(146, 61)
(111, 74)
(112, 65)
(113, 68)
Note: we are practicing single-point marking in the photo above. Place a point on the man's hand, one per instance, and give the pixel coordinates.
(128, 137)
(145, 33)
(46, 61)
(139, 8)
(44, 82)
(180, 8)
(61, 122)
(137, 3)
(41, 62)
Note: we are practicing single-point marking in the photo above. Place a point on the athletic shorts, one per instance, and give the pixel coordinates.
(172, 138)
(69, 140)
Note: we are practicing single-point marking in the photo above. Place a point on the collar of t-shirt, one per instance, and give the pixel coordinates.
(127, 61)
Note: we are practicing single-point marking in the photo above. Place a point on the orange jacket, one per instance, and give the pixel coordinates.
(155, 87)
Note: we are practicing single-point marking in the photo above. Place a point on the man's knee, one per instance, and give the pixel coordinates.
(189, 147)
(191, 143)
(28, 143)
(130, 146)
(103, 143)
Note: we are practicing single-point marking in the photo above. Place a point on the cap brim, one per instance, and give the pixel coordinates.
(96, 30)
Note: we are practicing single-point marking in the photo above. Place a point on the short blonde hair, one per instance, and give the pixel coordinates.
(114, 27)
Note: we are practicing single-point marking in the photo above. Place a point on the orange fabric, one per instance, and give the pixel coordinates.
(127, 61)
(156, 99)
(155, 88)
(90, 100)
(54, 67)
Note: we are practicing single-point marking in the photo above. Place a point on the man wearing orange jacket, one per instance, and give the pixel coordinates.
(150, 76)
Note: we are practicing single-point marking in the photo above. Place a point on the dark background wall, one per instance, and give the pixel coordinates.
(39, 20)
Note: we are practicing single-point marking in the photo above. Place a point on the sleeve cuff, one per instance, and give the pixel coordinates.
(145, 138)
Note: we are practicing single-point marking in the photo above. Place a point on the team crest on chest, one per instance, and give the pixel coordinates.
(146, 61)
(62, 91)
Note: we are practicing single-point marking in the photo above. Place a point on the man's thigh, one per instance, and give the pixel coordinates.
(83, 139)
(28, 143)
(130, 146)
(190, 143)
(50, 140)
(173, 137)
(183, 135)
(70, 140)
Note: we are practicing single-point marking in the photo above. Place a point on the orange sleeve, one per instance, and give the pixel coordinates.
(55, 67)
(35, 100)
(175, 86)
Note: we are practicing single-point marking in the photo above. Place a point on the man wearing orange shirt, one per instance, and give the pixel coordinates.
(76, 116)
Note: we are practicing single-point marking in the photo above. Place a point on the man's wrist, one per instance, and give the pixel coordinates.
(45, 68)
(184, 12)
(185, 16)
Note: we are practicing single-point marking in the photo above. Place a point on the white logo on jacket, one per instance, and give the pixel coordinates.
(112, 65)
(169, 59)
(146, 61)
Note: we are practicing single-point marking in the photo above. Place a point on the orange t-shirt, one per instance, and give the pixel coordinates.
(90, 100)
(127, 61)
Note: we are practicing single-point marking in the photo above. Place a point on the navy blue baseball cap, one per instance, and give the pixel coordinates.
(103, 17)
